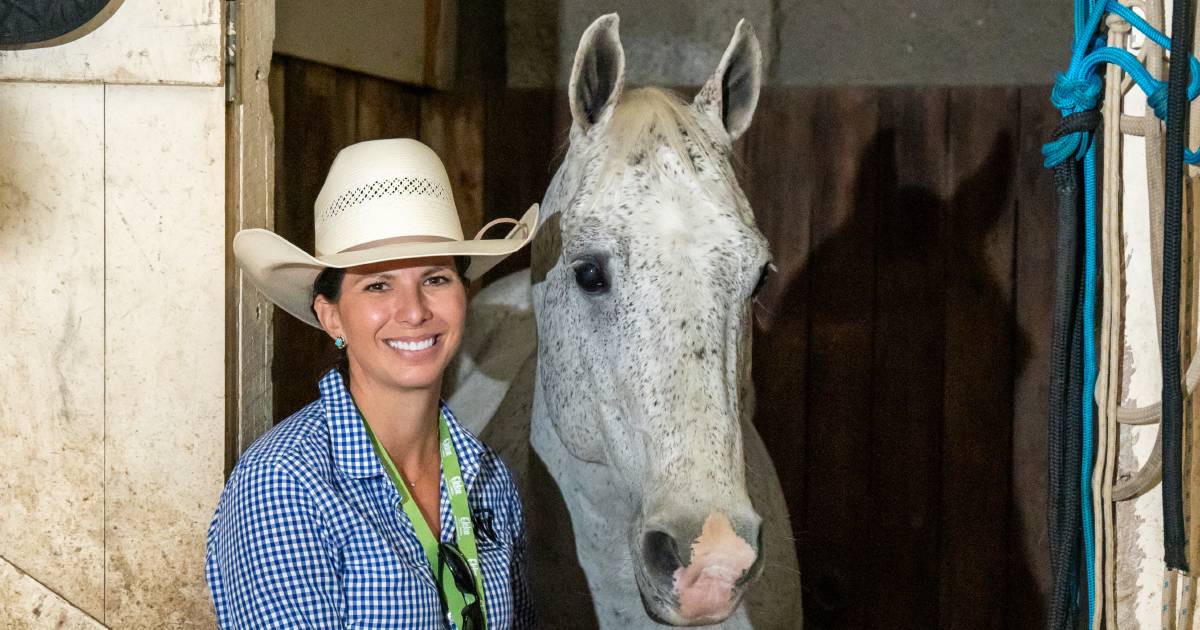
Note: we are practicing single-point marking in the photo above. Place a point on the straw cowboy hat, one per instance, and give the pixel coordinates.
(382, 200)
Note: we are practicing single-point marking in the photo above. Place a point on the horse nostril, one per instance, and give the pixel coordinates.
(755, 569)
(660, 553)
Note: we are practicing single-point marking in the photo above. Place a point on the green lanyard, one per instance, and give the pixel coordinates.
(464, 529)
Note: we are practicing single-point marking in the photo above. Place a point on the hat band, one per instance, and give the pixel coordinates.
(397, 241)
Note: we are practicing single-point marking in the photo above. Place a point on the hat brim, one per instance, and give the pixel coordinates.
(285, 273)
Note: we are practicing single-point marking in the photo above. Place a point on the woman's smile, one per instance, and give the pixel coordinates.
(413, 348)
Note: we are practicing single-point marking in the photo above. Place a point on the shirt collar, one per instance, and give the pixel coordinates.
(352, 451)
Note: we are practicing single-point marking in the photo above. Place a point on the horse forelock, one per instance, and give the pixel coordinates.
(655, 151)
(649, 119)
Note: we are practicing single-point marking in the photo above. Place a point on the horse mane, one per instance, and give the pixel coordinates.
(648, 117)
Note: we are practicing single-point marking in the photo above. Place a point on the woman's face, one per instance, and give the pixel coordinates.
(402, 321)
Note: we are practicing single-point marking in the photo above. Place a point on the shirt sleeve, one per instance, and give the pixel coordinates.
(268, 563)
(523, 613)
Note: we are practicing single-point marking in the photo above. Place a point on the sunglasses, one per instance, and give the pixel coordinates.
(450, 557)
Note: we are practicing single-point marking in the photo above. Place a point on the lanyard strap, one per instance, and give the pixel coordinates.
(459, 508)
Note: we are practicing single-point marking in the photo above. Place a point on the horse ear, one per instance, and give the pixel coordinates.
(731, 94)
(598, 74)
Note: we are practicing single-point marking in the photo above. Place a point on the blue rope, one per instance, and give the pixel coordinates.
(1090, 371)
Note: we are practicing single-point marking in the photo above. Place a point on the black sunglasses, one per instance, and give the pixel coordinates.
(450, 556)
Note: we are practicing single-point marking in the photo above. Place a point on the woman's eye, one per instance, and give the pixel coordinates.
(437, 280)
(763, 275)
(377, 286)
(590, 277)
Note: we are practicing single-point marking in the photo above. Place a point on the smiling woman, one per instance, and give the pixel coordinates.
(373, 507)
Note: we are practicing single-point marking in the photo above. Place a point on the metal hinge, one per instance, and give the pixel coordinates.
(231, 44)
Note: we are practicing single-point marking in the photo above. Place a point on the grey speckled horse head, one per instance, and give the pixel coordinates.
(643, 277)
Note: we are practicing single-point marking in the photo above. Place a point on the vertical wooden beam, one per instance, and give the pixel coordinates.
(249, 203)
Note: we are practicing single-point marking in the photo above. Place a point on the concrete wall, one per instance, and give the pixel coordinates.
(878, 42)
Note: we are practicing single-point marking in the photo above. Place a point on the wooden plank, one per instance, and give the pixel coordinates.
(452, 125)
(526, 140)
(249, 202)
(320, 119)
(782, 195)
(386, 109)
(278, 102)
(841, 299)
(976, 434)
(1029, 564)
(907, 370)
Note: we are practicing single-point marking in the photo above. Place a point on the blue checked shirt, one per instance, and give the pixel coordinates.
(309, 532)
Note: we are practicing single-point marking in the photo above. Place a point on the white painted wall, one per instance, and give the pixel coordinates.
(112, 246)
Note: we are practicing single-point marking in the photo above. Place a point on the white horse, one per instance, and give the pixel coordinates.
(638, 400)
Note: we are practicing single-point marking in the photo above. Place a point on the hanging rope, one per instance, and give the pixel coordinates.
(1074, 360)
(1065, 424)
(1172, 399)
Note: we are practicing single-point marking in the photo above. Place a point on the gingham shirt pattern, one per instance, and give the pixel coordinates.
(309, 531)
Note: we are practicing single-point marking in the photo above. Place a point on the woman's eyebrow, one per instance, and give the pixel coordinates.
(374, 277)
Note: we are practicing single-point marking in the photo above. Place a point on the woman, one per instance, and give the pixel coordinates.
(372, 507)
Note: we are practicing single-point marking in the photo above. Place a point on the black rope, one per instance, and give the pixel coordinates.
(1079, 121)
(1172, 397)
(1065, 427)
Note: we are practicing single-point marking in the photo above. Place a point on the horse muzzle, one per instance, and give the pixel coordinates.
(704, 584)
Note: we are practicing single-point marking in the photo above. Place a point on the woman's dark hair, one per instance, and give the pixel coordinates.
(329, 286)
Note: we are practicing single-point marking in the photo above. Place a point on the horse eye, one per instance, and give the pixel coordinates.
(763, 275)
(590, 277)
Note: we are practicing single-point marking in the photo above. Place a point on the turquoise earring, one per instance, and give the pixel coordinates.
(339, 343)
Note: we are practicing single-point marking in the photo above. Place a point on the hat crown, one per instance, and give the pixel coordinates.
(384, 189)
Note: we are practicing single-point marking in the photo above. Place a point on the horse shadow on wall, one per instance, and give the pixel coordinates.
(884, 363)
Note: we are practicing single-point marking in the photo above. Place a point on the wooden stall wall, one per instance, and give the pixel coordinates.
(900, 353)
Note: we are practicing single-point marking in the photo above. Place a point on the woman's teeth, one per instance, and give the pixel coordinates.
(411, 346)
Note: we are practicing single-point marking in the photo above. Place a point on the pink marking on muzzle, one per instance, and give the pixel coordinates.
(719, 557)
